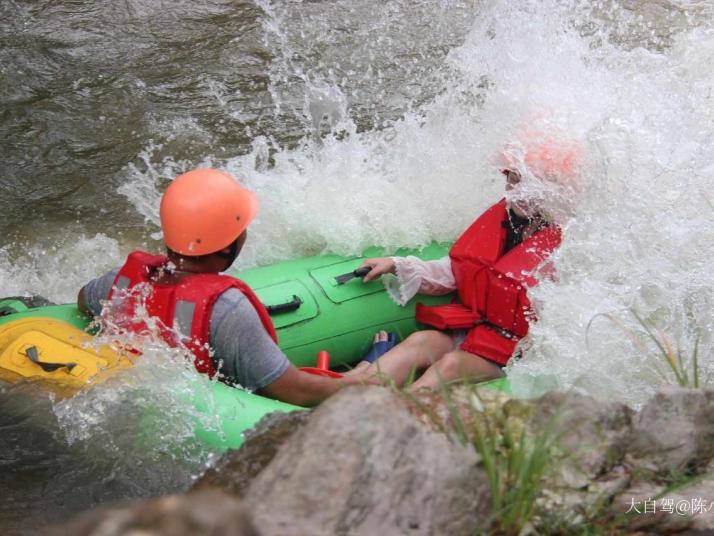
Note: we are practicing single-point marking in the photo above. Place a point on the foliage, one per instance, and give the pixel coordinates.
(674, 358)
(516, 463)
(686, 371)
(516, 460)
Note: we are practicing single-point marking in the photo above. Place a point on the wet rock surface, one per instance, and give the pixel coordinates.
(667, 505)
(649, 472)
(371, 461)
(207, 512)
(591, 439)
(674, 431)
(364, 464)
(594, 434)
(235, 470)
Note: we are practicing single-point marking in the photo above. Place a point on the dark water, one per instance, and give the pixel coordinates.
(87, 86)
(93, 91)
(59, 457)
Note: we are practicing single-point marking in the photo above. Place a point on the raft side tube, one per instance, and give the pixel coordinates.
(323, 315)
(341, 319)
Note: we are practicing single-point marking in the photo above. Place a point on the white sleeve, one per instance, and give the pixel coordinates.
(414, 276)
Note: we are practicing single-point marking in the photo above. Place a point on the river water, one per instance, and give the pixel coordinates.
(357, 122)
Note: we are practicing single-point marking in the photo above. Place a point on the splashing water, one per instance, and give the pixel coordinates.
(641, 113)
(626, 81)
(54, 267)
(381, 123)
(358, 123)
(641, 228)
(132, 435)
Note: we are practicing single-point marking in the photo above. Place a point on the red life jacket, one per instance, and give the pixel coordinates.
(185, 304)
(492, 285)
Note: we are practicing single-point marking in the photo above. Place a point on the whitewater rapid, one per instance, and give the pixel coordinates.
(629, 81)
(357, 123)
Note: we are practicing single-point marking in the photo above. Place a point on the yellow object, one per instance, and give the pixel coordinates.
(52, 350)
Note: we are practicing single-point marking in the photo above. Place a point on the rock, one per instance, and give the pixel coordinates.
(464, 403)
(590, 439)
(593, 435)
(237, 468)
(365, 464)
(373, 461)
(674, 431)
(698, 497)
(687, 504)
(207, 512)
(613, 453)
(636, 509)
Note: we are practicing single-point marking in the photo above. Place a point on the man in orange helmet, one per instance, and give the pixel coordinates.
(490, 266)
(205, 214)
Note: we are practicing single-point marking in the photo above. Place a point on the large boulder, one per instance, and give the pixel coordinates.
(590, 439)
(592, 435)
(370, 460)
(674, 431)
(366, 464)
(668, 508)
(208, 512)
(234, 471)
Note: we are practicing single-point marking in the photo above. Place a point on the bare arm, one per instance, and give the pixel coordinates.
(82, 303)
(304, 389)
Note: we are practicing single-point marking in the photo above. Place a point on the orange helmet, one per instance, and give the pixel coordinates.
(554, 160)
(546, 158)
(203, 211)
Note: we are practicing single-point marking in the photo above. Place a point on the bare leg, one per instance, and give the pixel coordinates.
(417, 351)
(458, 365)
(362, 365)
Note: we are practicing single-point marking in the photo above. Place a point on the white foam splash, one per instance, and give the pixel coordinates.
(631, 83)
(57, 270)
(642, 229)
(153, 401)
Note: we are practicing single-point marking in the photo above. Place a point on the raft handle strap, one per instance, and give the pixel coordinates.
(33, 356)
(286, 307)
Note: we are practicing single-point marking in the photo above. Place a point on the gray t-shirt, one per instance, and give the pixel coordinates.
(242, 348)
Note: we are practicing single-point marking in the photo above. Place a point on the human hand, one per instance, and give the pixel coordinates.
(378, 267)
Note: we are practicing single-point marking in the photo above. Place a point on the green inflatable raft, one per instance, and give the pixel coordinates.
(310, 310)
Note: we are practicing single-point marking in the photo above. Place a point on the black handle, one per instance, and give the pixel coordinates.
(286, 307)
(359, 272)
(33, 356)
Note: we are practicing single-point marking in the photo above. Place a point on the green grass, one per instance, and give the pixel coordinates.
(673, 358)
(516, 461)
(685, 371)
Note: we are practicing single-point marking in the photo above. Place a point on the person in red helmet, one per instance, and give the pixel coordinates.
(490, 266)
(205, 214)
